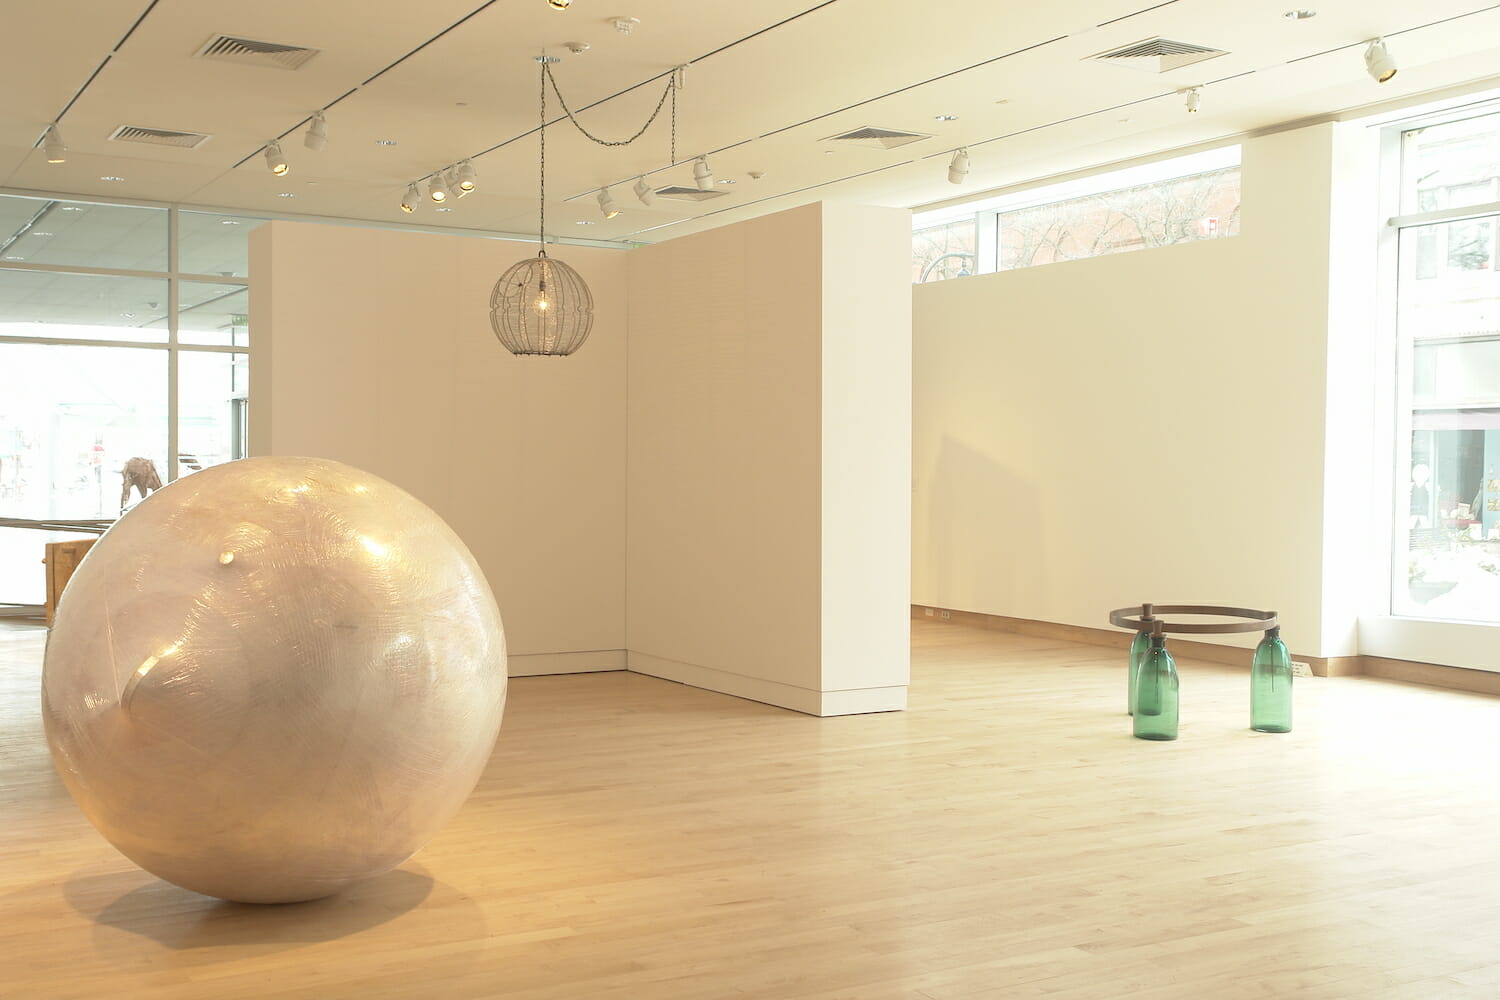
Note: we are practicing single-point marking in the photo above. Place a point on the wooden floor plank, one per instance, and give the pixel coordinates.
(1004, 838)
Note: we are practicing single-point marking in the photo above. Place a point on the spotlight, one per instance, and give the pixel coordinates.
(52, 146)
(643, 191)
(466, 177)
(412, 199)
(1192, 100)
(703, 174)
(959, 168)
(559, 4)
(607, 204)
(1378, 61)
(274, 159)
(437, 188)
(317, 133)
(450, 181)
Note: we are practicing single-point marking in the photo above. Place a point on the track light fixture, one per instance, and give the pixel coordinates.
(643, 191)
(52, 146)
(607, 204)
(958, 168)
(437, 188)
(317, 132)
(1192, 99)
(467, 177)
(703, 174)
(1378, 61)
(412, 199)
(274, 160)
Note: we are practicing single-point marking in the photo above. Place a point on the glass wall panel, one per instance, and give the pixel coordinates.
(211, 408)
(946, 251)
(1452, 165)
(82, 306)
(72, 419)
(213, 315)
(46, 231)
(214, 244)
(1447, 557)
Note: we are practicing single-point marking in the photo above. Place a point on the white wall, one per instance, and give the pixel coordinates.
(769, 393)
(1141, 427)
(374, 348)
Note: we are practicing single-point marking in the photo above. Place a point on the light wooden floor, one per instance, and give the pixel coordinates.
(1004, 838)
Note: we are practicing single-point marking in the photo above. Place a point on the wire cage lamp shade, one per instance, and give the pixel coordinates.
(541, 306)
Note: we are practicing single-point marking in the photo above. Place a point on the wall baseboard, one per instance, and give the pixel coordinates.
(588, 662)
(1409, 671)
(798, 699)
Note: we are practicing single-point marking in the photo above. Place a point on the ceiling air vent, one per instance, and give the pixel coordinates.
(681, 193)
(158, 137)
(250, 52)
(1158, 55)
(877, 138)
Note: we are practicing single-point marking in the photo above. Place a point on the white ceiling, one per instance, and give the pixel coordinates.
(768, 81)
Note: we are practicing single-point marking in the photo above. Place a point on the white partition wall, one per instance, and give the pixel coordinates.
(767, 437)
(374, 348)
(769, 382)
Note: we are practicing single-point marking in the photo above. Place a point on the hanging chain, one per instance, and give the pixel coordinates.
(669, 88)
(542, 169)
(674, 115)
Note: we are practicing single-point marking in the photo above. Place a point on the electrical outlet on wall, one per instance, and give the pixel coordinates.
(946, 616)
(1300, 669)
(928, 612)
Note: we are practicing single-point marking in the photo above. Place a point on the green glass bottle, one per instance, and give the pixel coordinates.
(1271, 686)
(1139, 647)
(1156, 692)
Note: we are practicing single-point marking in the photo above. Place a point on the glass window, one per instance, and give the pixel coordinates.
(213, 315)
(945, 251)
(1199, 207)
(211, 408)
(1179, 200)
(46, 231)
(214, 244)
(73, 419)
(1452, 165)
(82, 306)
(1446, 562)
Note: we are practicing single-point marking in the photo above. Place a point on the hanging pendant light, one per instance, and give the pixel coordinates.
(541, 305)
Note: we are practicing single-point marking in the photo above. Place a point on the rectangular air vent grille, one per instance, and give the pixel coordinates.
(250, 52)
(1158, 55)
(158, 136)
(877, 138)
(681, 193)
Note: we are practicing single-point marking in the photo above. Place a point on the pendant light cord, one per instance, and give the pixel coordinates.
(670, 88)
(542, 169)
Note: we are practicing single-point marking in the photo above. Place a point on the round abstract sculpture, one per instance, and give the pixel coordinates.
(273, 678)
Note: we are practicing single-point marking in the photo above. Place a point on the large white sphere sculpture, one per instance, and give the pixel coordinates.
(273, 678)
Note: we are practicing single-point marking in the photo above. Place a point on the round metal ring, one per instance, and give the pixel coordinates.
(1257, 621)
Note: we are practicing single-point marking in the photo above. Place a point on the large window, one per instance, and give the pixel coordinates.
(1446, 556)
(1180, 200)
(123, 359)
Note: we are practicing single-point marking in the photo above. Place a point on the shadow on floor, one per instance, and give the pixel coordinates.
(145, 906)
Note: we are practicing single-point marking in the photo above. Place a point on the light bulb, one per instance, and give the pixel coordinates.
(317, 133)
(607, 204)
(958, 169)
(467, 178)
(412, 199)
(1378, 62)
(52, 146)
(274, 160)
(436, 189)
